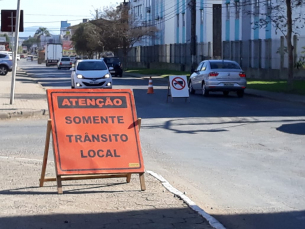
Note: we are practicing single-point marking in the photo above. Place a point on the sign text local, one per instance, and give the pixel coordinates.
(95, 131)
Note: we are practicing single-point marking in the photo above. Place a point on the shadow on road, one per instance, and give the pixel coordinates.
(295, 128)
(277, 220)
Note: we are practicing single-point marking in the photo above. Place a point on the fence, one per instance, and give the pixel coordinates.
(250, 54)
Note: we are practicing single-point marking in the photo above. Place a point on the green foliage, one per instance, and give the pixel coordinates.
(28, 43)
(277, 86)
(86, 39)
(6, 37)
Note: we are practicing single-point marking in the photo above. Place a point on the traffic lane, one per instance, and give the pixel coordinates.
(216, 105)
(229, 151)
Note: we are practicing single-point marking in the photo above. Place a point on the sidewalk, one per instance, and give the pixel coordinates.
(300, 99)
(90, 204)
(30, 97)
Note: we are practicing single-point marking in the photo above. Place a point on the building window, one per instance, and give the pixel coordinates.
(201, 16)
(183, 20)
(178, 20)
(228, 11)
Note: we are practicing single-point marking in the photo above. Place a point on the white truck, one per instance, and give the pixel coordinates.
(53, 53)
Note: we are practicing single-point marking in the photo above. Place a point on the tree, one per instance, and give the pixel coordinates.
(86, 39)
(29, 42)
(287, 17)
(41, 31)
(119, 30)
(6, 37)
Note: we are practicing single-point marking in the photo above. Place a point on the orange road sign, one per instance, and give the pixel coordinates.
(95, 131)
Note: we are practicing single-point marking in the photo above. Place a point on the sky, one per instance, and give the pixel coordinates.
(45, 13)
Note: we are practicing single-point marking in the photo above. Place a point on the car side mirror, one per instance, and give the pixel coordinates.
(72, 69)
(111, 68)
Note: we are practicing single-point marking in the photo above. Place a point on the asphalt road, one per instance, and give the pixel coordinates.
(240, 159)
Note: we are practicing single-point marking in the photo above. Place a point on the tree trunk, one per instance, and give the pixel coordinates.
(289, 44)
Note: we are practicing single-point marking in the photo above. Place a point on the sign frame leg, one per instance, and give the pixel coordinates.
(128, 178)
(59, 184)
(142, 181)
(46, 153)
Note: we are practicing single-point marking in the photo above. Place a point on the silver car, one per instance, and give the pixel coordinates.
(6, 64)
(64, 62)
(218, 75)
(90, 73)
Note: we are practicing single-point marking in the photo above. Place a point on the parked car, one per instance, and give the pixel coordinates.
(64, 62)
(6, 64)
(116, 64)
(18, 57)
(218, 75)
(90, 73)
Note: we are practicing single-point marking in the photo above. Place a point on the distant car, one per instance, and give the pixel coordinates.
(6, 64)
(29, 57)
(18, 57)
(116, 64)
(64, 62)
(22, 56)
(90, 73)
(218, 75)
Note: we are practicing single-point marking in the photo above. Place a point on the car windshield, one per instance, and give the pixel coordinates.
(65, 59)
(112, 60)
(91, 65)
(224, 65)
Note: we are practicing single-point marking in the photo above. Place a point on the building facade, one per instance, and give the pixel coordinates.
(172, 18)
(254, 36)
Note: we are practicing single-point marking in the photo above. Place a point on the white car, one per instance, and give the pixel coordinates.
(90, 73)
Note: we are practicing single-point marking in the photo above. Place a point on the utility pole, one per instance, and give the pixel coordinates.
(193, 33)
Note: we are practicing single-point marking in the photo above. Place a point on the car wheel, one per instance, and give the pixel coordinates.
(3, 70)
(121, 75)
(225, 93)
(240, 94)
(191, 89)
(205, 92)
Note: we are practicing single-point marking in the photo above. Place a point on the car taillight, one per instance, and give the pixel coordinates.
(60, 63)
(213, 74)
(70, 63)
(242, 74)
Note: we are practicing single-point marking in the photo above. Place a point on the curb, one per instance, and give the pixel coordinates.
(212, 221)
(24, 114)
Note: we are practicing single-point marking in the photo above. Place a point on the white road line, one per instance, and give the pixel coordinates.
(213, 222)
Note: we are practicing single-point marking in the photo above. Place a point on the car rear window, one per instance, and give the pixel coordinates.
(91, 65)
(65, 59)
(224, 65)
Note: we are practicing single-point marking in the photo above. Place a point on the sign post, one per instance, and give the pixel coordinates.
(8, 17)
(95, 135)
(177, 87)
